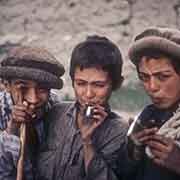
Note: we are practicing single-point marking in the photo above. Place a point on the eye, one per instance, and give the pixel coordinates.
(143, 77)
(42, 90)
(80, 83)
(100, 84)
(163, 77)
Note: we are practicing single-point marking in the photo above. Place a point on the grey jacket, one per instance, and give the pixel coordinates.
(61, 157)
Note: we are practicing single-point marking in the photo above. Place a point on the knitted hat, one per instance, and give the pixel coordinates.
(30, 63)
(165, 40)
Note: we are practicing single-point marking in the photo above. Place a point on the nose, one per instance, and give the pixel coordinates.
(153, 85)
(31, 96)
(89, 92)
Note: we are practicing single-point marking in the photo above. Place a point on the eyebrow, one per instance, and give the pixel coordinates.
(20, 81)
(98, 81)
(158, 72)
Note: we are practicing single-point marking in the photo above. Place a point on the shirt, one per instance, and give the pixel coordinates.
(62, 157)
(146, 169)
(10, 144)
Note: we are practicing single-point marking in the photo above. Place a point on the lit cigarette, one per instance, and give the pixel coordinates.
(131, 127)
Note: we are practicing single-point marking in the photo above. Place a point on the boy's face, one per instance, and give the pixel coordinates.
(92, 86)
(29, 92)
(160, 81)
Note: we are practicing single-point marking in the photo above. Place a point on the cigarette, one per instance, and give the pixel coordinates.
(131, 127)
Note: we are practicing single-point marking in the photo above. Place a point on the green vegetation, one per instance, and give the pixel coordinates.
(129, 98)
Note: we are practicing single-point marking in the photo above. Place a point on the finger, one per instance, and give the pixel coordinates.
(29, 109)
(18, 118)
(19, 108)
(94, 125)
(157, 146)
(145, 139)
(98, 119)
(158, 154)
(99, 107)
(145, 132)
(19, 95)
(20, 115)
(161, 139)
(158, 161)
(101, 113)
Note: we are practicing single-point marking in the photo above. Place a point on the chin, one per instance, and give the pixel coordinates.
(164, 106)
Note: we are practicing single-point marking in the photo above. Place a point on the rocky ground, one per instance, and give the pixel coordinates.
(59, 25)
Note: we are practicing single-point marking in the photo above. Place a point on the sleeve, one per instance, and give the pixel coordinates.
(9, 153)
(111, 161)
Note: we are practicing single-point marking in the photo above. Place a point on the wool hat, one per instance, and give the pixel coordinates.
(165, 40)
(32, 63)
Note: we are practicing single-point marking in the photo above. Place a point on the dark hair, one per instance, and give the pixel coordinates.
(98, 52)
(156, 54)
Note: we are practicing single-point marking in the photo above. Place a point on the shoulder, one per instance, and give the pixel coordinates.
(110, 137)
(114, 127)
(147, 112)
(115, 121)
(59, 108)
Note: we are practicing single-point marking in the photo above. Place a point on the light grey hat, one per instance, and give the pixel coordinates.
(165, 40)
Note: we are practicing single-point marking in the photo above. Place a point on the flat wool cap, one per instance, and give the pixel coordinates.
(32, 63)
(165, 40)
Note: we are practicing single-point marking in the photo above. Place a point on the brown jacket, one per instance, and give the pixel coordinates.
(61, 157)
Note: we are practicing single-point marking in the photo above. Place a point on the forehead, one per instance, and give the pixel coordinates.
(155, 65)
(90, 74)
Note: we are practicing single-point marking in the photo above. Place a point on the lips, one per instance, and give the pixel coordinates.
(156, 100)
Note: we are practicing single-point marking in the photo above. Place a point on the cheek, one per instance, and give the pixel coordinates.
(104, 94)
(43, 98)
(79, 91)
(144, 85)
(171, 89)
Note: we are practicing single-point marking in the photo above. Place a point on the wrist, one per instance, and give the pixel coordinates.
(12, 128)
(87, 142)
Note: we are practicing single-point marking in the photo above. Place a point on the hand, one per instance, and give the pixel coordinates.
(143, 136)
(165, 152)
(20, 112)
(137, 142)
(87, 129)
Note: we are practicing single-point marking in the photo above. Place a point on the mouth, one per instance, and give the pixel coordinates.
(156, 100)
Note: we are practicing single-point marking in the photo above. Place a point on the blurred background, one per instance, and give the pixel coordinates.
(59, 25)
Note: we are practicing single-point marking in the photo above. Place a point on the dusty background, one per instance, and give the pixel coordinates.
(59, 25)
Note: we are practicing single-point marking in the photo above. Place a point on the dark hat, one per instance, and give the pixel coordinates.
(32, 63)
(165, 40)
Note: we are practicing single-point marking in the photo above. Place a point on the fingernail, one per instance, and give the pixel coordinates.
(34, 115)
(25, 103)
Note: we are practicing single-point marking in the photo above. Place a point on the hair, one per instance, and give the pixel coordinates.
(156, 54)
(98, 52)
